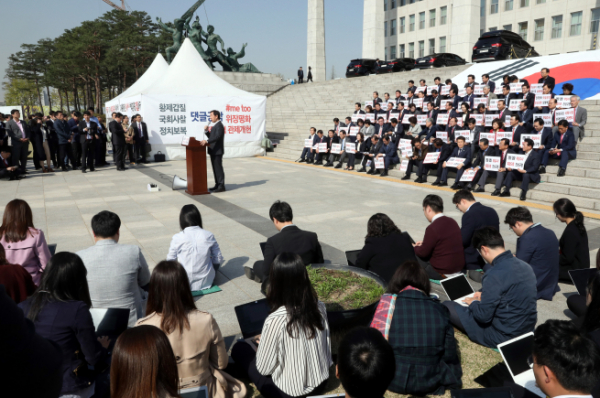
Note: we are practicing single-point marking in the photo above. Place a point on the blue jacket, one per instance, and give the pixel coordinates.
(568, 143)
(390, 152)
(547, 139)
(477, 217)
(508, 306)
(62, 130)
(465, 154)
(74, 127)
(70, 325)
(538, 247)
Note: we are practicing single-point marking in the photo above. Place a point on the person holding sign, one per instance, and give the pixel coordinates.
(474, 132)
(367, 129)
(440, 252)
(526, 116)
(529, 172)
(546, 142)
(428, 133)
(419, 152)
(376, 99)
(342, 155)
(376, 144)
(318, 139)
(307, 151)
(358, 154)
(415, 129)
(485, 79)
(546, 79)
(517, 131)
(527, 96)
(445, 150)
(564, 147)
(337, 125)
(397, 130)
(381, 128)
(455, 98)
(450, 128)
(479, 162)
(357, 110)
(469, 98)
(389, 153)
(460, 152)
(378, 111)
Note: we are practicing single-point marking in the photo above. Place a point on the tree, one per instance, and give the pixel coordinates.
(20, 92)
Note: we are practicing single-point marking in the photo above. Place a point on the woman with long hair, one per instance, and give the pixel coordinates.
(573, 244)
(194, 335)
(60, 311)
(196, 249)
(39, 139)
(129, 137)
(294, 354)
(16, 280)
(143, 365)
(360, 148)
(24, 244)
(466, 112)
(430, 356)
(386, 247)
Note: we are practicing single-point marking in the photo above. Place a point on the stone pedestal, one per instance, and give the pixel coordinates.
(465, 22)
(373, 34)
(257, 83)
(316, 41)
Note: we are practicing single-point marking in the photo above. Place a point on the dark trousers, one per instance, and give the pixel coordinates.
(353, 157)
(76, 146)
(300, 80)
(413, 163)
(564, 158)
(19, 156)
(526, 178)
(245, 359)
(140, 150)
(87, 154)
(119, 155)
(100, 150)
(65, 150)
(261, 270)
(36, 155)
(129, 151)
(305, 153)
(454, 318)
(459, 173)
(4, 173)
(53, 146)
(219, 174)
(431, 272)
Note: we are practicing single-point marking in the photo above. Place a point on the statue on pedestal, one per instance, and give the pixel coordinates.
(232, 58)
(177, 29)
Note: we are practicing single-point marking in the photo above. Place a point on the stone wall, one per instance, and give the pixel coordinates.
(257, 83)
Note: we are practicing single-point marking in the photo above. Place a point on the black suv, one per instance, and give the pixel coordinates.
(396, 65)
(361, 67)
(501, 44)
(439, 60)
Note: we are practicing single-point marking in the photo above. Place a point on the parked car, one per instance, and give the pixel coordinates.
(501, 44)
(396, 65)
(361, 67)
(439, 61)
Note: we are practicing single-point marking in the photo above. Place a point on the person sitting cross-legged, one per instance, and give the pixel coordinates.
(538, 247)
(564, 147)
(506, 305)
(365, 364)
(389, 154)
(529, 173)
(462, 152)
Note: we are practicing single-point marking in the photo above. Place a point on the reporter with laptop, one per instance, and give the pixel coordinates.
(294, 349)
(506, 305)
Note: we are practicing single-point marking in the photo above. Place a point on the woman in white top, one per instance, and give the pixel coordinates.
(196, 249)
(294, 354)
(415, 129)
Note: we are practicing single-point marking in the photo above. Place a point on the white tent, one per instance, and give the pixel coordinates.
(178, 101)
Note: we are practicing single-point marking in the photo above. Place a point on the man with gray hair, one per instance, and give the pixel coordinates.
(489, 95)
(580, 118)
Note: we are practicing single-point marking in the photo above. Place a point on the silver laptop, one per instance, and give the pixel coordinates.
(515, 353)
(458, 288)
(194, 392)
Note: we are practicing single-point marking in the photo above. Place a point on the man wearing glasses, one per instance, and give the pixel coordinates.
(506, 306)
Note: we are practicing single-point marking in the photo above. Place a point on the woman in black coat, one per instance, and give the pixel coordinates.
(39, 139)
(360, 147)
(386, 247)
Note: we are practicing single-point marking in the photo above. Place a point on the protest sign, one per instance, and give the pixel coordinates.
(405, 147)
(479, 120)
(492, 163)
(478, 89)
(537, 88)
(515, 162)
(418, 102)
(516, 87)
(336, 148)
(546, 117)
(406, 117)
(515, 105)
(466, 134)
(404, 165)
(308, 143)
(563, 101)
(489, 119)
(379, 163)
(322, 147)
(493, 104)
(431, 158)
(443, 135)
(477, 101)
(442, 118)
(454, 162)
(504, 134)
(350, 148)
(542, 99)
(354, 130)
(421, 119)
(446, 90)
(491, 137)
(565, 114)
(468, 175)
(536, 138)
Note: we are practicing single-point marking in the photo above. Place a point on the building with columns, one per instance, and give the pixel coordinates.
(416, 28)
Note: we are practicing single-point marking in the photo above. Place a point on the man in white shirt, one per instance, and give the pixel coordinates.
(565, 362)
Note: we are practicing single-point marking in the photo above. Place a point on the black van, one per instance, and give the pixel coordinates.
(395, 65)
(361, 67)
(501, 44)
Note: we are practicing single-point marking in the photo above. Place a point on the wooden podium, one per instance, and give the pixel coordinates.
(195, 155)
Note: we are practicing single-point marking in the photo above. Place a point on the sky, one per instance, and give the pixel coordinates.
(275, 30)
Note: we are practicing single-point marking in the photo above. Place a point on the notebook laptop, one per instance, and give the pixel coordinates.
(110, 321)
(458, 288)
(515, 353)
(251, 318)
(194, 392)
(494, 392)
(580, 278)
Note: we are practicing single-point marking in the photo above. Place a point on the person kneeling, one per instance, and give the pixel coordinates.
(506, 305)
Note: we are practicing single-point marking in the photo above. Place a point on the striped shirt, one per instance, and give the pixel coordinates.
(297, 365)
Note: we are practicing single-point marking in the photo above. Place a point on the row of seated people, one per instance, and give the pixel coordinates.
(505, 308)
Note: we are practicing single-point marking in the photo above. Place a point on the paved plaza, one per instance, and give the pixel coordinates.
(334, 204)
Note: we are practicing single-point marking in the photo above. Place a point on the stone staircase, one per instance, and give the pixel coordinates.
(294, 109)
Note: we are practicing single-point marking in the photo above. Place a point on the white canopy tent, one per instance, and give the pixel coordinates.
(178, 101)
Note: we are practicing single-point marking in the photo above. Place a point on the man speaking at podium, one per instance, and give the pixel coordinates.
(216, 149)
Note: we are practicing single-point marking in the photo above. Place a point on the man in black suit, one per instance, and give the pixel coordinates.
(471, 82)
(527, 96)
(18, 135)
(431, 112)
(376, 98)
(485, 79)
(381, 127)
(216, 150)
(452, 85)
(546, 142)
(88, 134)
(546, 79)
(502, 110)
(357, 110)
(290, 239)
(478, 164)
(397, 130)
(300, 75)
(6, 170)
(529, 172)
(526, 116)
(455, 98)
(460, 151)
(376, 145)
(517, 130)
(140, 138)
(118, 141)
(445, 152)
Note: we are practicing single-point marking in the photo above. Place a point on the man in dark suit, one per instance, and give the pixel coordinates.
(529, 172)
(485, 79)
(397, 130)
(436, 99)
(517, 131)
(376, 98)
(118, 141)
(463, 152)
(300, 75)
(527, 96)
(357, 110)
(546, 142)
(564, 147)
(502, 110)
(381, 127)
(140, 138)
(469, 98)
(420, 151)
(6, 170)
(546, 79)
(445, 151)
(88, 134)
(376, 144)
(455, 98)
(378, 111)
(332, 139)
(216, 150)
(478, 164)
(475, 216)
(389, 153)
(428, 131)
(315, 156)
(431, 112)
(290, 239)
(507, 95)
(526, 116)
(73, 125)
(471, 82)
(18, 135)
(307, 152)
(64, 142)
